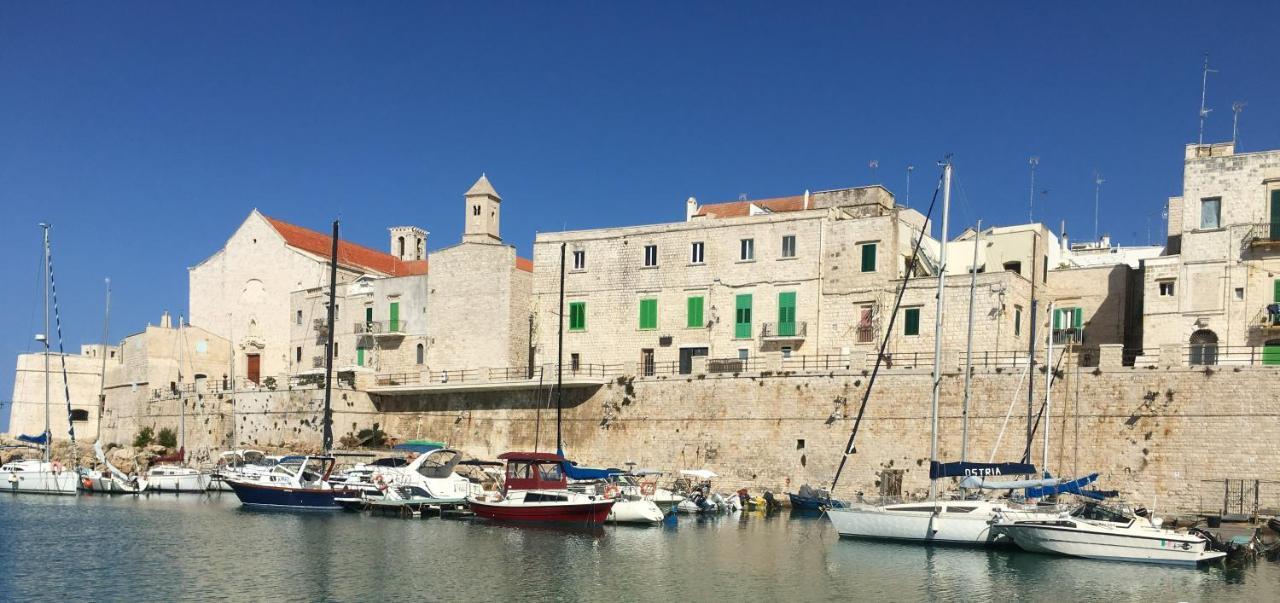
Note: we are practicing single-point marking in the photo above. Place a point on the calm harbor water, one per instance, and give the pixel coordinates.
(165, 547)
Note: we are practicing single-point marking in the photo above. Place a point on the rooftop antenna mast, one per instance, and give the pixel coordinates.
(1236, 108)
(1204, 86)
(907, 203)
(874, 164)
(1034, 161)
(1097, 194)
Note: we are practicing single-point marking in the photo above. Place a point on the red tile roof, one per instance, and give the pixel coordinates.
(357, 256)
(737, 209)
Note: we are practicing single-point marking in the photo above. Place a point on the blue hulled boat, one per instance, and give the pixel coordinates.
(296, 482)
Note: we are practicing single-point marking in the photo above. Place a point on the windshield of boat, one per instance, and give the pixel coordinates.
(551, 472)
(1096, 512)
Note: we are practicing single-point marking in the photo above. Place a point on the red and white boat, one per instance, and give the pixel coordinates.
(535, 489)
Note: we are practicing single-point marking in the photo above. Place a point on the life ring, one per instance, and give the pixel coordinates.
(87, 483)
(611, 491)
(57, 467)
(648, 488)
(380, 482)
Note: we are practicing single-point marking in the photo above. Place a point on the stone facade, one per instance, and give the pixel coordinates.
(82, 383)
(1224, 267)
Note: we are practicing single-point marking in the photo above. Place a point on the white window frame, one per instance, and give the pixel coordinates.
(1217, 214)
(650, 256)
(697, 253)
(789, 253)
(746, 250)
(1160, 287)
(579, 259)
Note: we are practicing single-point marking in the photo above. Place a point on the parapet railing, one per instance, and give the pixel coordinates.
(381, 327)
(1215, 355)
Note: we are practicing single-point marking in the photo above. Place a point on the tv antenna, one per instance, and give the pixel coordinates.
(875, 163)
(1031, 205)
(907, 203)
(1236, 108)
(1204, 86)
(1097, 194)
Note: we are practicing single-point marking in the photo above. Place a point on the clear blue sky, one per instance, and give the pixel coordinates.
(146, 132)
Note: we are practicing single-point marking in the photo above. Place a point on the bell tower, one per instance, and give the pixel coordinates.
(483, 210)
(408, 243)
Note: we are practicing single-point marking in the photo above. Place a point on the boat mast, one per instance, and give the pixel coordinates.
(48, 435)
(560, 355)
(102, 384)
(328, 352)
(968, 354)
(1048, 388)
(937, 322)
(1031, 357)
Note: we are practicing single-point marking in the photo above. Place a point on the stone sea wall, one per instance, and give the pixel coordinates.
(1155, 434)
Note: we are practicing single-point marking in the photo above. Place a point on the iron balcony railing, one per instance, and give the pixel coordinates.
(783, 330)
(1268, 319)
(1066, 336)
(381, 327)
(1262, 234)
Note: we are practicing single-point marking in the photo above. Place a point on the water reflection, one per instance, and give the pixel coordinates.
(169, 548)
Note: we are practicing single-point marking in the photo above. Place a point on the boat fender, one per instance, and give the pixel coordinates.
(87, 483)
(648, 488)
(380, 482)
(611, 491)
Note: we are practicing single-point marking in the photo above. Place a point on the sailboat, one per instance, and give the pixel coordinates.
(171, 473)
(942, 521)
(44, 476)
(301, 482)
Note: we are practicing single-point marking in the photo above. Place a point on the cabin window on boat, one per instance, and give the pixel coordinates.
(955, 509)
(928, 508)
(550, 472)
(519, 471)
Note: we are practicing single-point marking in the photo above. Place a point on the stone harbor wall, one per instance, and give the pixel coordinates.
(1164, 437)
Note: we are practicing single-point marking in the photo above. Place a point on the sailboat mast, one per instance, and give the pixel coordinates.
(560, 355)
(1048, 389)
(968, 354)
(327, 429)
(937, 322)
(102, 383)
(48, 435)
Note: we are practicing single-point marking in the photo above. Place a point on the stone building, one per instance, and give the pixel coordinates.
(1215, 291)
(243, 291)
(805, 276)
(82, 383)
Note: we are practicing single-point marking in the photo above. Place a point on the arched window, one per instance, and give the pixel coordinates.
(421, 354)
(1204, 347)
(401, 242)
(79, 414)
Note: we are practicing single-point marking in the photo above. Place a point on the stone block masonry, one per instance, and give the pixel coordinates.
(1155, 434)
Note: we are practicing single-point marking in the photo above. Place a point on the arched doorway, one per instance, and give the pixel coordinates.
(1204, 347)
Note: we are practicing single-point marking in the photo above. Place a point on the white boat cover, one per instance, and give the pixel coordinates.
(974, 481)
(698, 473)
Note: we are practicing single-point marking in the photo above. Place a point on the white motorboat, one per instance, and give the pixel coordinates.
(1096, 531)
(177, 478)
(695, 487)
(432, 472)
(239, 463)
(38, 477)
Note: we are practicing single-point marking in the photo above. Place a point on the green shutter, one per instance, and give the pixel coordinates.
(577, 316)
(1275, 295)
(1078, 322)
(787, 313)
(1271, 354)
(869, 257)
(368, 315)
(394, 323)
(742, 317)
(648, 314)
(1275, 216)
(911, 322)
(1057, 319)
(695, 313)
(359, 356)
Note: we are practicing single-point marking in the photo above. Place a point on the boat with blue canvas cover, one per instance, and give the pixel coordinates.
(296, 482)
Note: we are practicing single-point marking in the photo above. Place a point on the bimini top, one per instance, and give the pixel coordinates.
(699, 473)
(531, 456)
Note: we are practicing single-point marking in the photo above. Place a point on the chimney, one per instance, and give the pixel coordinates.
(1066, 246)
(806, 198)
(165, 321)
(690, 209)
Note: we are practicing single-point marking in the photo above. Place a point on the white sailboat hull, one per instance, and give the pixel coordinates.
(930, 524)
(1101, 542)
(194, 481)
(35, 477)
(635, 511)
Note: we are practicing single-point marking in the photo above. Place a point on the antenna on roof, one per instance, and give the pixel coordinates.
(1031, 205)
(875, 163)
(1204, 86)
(907, 203)
(1097, 194)
(1236, 108)
(742, 196)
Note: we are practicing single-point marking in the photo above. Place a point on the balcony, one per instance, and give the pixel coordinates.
(783, 331)
(1264, 236)
(1068, 336)
(381, 328)
(1268, 320)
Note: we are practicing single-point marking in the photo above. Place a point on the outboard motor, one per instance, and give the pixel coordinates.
(1140, 511)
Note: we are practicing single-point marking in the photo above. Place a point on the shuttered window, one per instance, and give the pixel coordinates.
(742, 316)
(787, 313)
(869, 257)
(1068, 318)
(911, 321)
(577, 316)
(694, 313)
(648, 314)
